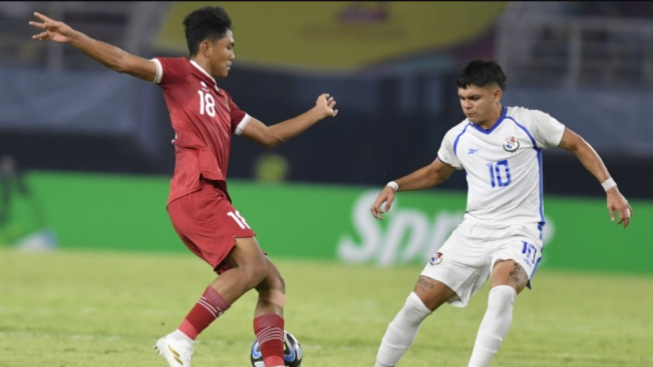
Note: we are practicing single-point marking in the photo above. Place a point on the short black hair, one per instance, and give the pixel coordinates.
(211, 22)
(481, 73)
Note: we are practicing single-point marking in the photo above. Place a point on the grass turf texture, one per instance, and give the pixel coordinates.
(69, 309)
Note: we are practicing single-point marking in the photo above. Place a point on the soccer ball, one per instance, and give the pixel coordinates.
(292, 352)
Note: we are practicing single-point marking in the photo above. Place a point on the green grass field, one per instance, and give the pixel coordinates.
(69, 309)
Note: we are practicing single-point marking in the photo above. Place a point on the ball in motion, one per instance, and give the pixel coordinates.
(292, 352)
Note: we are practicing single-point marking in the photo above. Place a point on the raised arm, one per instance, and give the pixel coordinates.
(593, 163)
(108, 55)
(432, 175)
(272, 135)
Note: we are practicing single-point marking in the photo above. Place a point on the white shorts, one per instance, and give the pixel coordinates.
(464, 263)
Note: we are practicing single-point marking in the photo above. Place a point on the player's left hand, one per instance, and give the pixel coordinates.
(618, 203)
(325, 104)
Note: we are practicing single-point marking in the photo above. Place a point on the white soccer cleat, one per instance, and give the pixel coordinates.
(176, 352)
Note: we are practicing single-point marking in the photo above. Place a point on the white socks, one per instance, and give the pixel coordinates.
(179, 335)
(402, 331)
(494, 326)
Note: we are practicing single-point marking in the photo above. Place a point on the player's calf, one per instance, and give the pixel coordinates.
(495, 325)
(402, 331)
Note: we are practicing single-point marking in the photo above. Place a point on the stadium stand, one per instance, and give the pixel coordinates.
(576, 43)
(588, 64)
(131, 25)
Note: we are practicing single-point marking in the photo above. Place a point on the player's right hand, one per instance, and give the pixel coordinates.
(52, 29)
(326, 104)
(387, 196)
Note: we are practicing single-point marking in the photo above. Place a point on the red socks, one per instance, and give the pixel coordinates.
(208, 308)
(269, 330)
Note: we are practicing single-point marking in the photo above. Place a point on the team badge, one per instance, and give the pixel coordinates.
(436, 259)
(511, 144)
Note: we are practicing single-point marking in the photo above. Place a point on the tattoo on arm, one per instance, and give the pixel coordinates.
(562, 143)
(517, 274)
(425, 283)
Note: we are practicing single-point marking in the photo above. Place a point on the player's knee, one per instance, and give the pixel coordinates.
(510, 272)
(279, 283)
(273, 281)
(254, 272)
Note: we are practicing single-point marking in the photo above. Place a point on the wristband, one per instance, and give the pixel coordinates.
(608, 184)
(394, 185)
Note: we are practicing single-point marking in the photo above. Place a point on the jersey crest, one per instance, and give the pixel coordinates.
(436, 259)
(511, 144)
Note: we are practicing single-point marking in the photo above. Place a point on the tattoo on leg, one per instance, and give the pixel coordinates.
(517, 274)
(425, 283)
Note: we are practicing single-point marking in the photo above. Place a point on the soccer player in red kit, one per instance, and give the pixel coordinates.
(204, 116)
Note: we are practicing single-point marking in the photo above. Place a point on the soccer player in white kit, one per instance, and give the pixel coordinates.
(500, 238)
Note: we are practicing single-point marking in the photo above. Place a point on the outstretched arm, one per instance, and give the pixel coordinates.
(434, 174)
(108, 55)
(593, 163)
(270, 136)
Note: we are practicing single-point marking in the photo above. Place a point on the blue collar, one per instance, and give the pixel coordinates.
(496, 124)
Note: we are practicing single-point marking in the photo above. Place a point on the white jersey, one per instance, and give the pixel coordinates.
(503, 165)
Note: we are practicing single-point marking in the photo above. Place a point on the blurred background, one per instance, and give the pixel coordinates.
(76, 138)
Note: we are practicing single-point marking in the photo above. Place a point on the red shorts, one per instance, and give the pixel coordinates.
(208, 224)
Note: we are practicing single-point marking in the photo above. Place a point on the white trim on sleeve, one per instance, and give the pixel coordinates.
(242, 124)
(159, 71)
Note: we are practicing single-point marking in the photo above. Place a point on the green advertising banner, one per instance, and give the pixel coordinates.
(327, 222)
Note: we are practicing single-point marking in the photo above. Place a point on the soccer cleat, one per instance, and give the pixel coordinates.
(176, 352)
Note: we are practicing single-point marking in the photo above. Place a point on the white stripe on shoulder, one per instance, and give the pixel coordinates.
(242, 124)
(159, 71)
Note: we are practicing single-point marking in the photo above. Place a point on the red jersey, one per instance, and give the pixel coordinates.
(203, 117)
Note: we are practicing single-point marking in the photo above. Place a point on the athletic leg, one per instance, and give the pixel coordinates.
(205, 222)
(268, 316)
(427, 296)
(248, 267)
(454, 273)
(508, 279)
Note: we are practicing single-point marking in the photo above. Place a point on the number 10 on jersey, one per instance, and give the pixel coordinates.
(499, 173)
